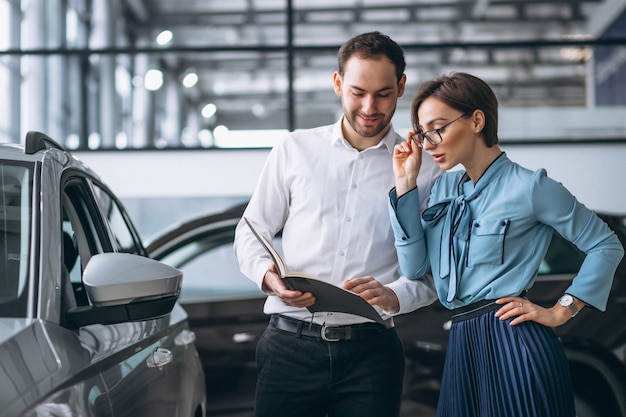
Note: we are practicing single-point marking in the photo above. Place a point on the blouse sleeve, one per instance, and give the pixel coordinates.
(556, 206)
(404, 213)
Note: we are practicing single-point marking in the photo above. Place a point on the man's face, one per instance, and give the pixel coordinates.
(369, 92)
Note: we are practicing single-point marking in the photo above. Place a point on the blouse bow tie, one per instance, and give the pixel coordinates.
(458, 217)
(456, 224)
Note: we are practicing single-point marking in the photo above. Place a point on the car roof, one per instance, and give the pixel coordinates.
(15, 152)
(37, 148)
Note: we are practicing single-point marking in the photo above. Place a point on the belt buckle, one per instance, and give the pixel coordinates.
(323, 331)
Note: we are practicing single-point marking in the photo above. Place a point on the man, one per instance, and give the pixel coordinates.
(326, 188)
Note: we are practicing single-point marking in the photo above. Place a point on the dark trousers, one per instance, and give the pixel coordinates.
(308, 377)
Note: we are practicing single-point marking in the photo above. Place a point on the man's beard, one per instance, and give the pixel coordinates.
(369, 131)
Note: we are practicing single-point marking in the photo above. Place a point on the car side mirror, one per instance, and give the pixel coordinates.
(124, 287)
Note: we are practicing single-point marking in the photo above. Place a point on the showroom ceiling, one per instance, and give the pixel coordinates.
(524, 48)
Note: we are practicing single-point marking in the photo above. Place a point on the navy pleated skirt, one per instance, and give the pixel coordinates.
(493, 369)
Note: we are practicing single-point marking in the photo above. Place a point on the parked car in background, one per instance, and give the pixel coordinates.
(89, 325)
(226, 312)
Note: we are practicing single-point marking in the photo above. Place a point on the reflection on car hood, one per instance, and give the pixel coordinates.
(35, 355)
(9, 327)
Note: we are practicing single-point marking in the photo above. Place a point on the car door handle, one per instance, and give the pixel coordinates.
(159, 358)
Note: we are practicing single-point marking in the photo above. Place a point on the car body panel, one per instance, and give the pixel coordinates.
(37, 357)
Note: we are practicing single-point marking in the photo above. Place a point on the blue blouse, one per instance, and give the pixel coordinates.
(487, 240)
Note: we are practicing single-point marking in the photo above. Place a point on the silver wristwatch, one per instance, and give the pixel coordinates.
(568, 301)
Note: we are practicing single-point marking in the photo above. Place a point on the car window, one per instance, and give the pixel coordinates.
(82, 222)
(123, 240)
(15, 225)
(85, 233)
(71, 255)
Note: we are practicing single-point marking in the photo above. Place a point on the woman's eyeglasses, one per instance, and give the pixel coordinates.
(430, 136)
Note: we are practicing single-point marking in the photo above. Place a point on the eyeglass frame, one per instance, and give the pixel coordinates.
(418, 137)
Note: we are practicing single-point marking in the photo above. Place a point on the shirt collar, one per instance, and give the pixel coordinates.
(389, 140)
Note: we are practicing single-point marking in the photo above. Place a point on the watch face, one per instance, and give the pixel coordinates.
(566, 300)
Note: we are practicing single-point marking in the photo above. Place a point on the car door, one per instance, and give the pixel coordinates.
(148, 367)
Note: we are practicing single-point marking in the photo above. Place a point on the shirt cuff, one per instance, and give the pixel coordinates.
(412, 294)
(407, 209)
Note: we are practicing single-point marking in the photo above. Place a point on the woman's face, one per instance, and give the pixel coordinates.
(458, 144)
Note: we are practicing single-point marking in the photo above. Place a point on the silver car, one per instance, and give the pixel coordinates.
(90, 326)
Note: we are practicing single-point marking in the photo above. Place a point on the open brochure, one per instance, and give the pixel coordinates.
(328, 297)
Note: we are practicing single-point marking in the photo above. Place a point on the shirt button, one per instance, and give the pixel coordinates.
(353, 186)
(349, 219)
(341, 253)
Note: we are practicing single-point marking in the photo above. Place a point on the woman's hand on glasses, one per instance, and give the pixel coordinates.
(407, 160)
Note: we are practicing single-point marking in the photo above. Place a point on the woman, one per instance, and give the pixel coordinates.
(483, 237)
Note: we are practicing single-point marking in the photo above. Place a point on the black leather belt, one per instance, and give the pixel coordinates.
(476, 309)
(473, 310)
(328, 333)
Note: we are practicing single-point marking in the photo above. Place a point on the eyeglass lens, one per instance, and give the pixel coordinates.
(429, 135)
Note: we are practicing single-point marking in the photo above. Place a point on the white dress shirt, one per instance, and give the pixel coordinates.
(330, 200)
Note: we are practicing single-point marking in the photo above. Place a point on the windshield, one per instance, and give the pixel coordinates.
(15, 183)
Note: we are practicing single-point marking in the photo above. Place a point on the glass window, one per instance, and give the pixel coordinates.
(15, 224)
(80, 223)
(5, 74)
(122, 235)
(89, 229)
(73, 237)
(5, 112)
(71, 255)
(5, 27)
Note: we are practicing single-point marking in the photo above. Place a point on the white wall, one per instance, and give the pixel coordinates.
(178, 173)
(596, 174)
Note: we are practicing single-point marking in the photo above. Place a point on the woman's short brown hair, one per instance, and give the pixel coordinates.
(465, 93)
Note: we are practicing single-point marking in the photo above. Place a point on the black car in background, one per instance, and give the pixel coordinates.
(226, 312)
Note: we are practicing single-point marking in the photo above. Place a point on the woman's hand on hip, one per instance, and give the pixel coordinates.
(521, 310)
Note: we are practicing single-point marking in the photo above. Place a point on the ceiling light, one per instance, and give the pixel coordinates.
(164, 37)
(121, 140)
(220, 133)
(206, 138)
(72, 141)
(153, 80)
(93, 140)
(259, 110)
(576, 54)
(209, 110)
(190, 79)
